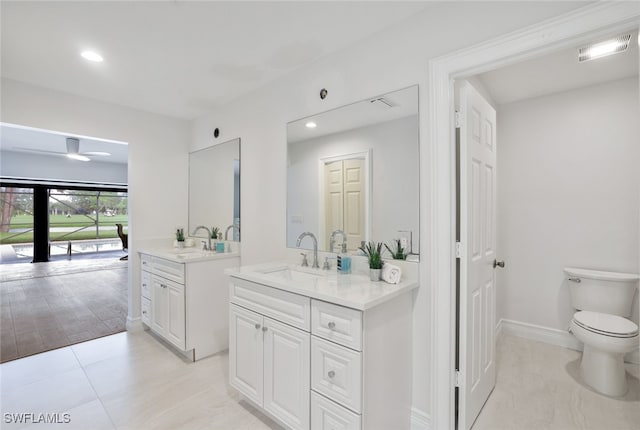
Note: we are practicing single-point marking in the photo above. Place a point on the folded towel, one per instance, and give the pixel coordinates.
(390, 273)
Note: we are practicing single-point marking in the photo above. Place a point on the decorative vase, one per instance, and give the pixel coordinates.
(374, 274)
(181, 244)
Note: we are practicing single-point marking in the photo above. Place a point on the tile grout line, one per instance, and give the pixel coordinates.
(94, 389)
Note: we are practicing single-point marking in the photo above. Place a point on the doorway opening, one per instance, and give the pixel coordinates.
(565, 31)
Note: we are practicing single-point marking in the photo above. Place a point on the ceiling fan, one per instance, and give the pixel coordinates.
(73, 151)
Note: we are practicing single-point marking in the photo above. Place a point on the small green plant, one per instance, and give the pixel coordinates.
(215, 232)
(396, 250)
(180, 235)
(373, 251)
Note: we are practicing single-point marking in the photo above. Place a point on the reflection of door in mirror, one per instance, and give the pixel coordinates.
(345, 201)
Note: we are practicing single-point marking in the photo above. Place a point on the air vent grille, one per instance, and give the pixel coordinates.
(605, 48)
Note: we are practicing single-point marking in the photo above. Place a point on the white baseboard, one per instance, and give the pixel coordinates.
(420, 420)
(134, 325)
(549, 335)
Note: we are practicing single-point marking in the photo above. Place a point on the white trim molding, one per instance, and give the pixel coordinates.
(563, 31)
(552, 336)
(134, 325)
(420, 420)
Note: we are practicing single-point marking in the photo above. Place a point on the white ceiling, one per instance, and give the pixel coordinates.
(25, 139)
(179, 58)
(356, 115)
(558, 72)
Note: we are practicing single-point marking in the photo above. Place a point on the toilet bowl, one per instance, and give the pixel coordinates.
(606, 338)
(604, 301)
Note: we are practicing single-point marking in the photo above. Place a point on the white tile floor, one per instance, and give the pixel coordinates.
(125, 381)
(132, 381)
(539, 387)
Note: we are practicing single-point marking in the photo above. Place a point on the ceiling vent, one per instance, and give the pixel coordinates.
(383, 103)
(602, 49)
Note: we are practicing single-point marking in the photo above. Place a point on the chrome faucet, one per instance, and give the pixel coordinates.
(226, 232)
(201, 227)
(332, 240)
(315, 247)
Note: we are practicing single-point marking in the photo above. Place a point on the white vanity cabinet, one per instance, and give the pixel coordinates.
(311, 363)
(269, 358)
(185, 302)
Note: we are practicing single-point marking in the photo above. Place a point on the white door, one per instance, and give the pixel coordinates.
(345, 200)
(246, 352)
(478, 238)
(286, 373)
(354, 201)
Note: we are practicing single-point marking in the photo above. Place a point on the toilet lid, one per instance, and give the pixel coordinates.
(611, 325)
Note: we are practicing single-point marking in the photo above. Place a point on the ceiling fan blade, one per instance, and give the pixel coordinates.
(95, 153)
(41, 151)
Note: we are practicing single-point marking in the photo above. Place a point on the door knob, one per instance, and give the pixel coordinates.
(497, 263)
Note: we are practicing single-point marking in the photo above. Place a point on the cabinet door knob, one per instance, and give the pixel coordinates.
(331, 325)
(331, 374)
(257, 326)
(264, 329)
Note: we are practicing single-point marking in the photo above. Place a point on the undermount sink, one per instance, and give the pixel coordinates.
(293, 273)
(189, 253)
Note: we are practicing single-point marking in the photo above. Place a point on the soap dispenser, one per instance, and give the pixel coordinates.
(344, 260)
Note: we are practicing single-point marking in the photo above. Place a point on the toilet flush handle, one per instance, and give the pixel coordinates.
(576, 280)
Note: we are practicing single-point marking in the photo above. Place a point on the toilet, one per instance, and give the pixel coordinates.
(603, 301)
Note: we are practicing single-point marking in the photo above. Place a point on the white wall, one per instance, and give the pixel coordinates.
(394, 177)
(158, 154)
(567, 195)
(35, 166)
(390, 60)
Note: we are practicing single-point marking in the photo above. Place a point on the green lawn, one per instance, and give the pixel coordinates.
(26, 221)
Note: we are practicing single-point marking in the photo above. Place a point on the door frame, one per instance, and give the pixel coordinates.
(574, 28)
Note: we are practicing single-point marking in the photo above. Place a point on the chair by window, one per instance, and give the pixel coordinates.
(124, 237)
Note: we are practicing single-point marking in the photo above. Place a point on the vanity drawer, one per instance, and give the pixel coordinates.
(336, 372)
(145, 262)
(337, 323)
(146, 311)
(168, 269)
(289, 308)
(145, 284)
(327, 415)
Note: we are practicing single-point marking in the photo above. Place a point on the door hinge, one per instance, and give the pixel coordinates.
(457, 378)
(458, 250)
(458, 119)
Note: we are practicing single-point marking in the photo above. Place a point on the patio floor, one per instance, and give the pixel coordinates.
(50, 305)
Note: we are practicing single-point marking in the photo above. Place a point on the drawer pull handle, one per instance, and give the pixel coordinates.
(331, 374)
(163, 285)
(331, 325)
(264, 329)
(144, 312)
(144, 285)
(257, 326)
(144, 263)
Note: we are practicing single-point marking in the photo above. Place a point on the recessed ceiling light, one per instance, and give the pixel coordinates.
(602, 49)
(311, 124)
(78, 157)
(92, 56)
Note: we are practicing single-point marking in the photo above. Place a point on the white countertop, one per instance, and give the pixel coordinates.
(354, 290)
(187, 255)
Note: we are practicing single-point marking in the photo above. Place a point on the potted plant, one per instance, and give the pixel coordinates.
(373, 252)
(215, 233)
(180, 237)
(396, 250)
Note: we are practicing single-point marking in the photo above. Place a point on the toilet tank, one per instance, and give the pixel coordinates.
(600, 291)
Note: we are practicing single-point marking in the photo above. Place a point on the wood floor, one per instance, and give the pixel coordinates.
(50, 305)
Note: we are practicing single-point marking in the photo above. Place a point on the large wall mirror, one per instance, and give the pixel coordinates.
(214, 188)
(356, 169)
